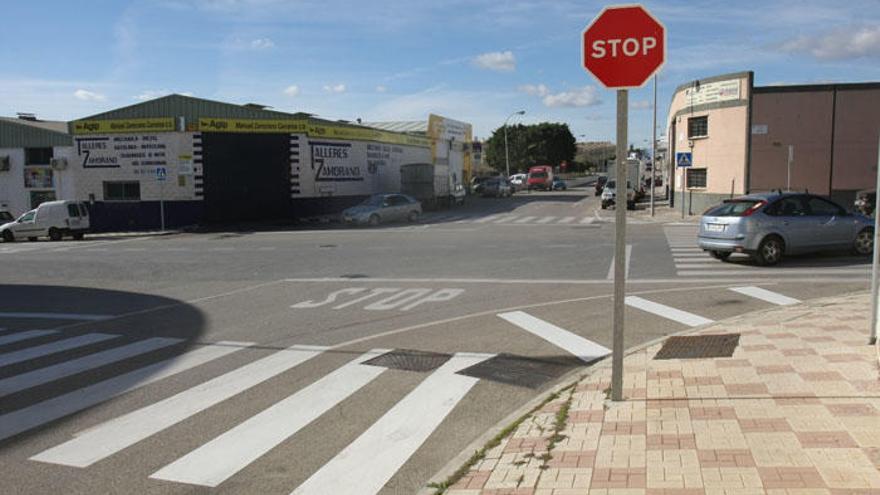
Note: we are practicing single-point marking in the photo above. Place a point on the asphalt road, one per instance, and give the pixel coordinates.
(243, 362)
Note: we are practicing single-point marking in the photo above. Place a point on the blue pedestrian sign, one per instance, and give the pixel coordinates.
(684, 160)
(161, 174)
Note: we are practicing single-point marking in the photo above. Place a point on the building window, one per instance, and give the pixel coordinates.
(696, 178)
(122, 191)
(37, 156)
(698, 127)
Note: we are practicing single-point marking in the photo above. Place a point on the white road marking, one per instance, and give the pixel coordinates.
(525, 219)
(667, 312)
(229, 453)
(124, 431)
(629, 248)
(91, 361)
(26, 335)
(504, 219)
(56, 316)
(58, 407)
(487, 219)
(53, 348)
(587, 220)
(366, 464)
(546, 220)
(765, 295)
(584, 349)
(778, 272)
(565, 220)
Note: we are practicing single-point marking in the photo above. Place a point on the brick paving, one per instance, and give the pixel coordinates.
(795, 410)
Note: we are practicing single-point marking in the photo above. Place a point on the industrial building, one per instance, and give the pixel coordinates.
(744, 138)
(205, 161)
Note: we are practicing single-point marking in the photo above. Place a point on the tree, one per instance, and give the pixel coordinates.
(540, 144)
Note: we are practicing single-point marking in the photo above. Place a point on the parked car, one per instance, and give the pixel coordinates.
(866, 202)
(609, 195)
(769, 226)
(558, 184)
(383, 208)
(53, 219)
(5, 216)
(600, 184)
(497, 188)
(477, 184)
(518, 181)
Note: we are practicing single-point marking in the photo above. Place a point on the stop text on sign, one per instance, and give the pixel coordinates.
(629, 47)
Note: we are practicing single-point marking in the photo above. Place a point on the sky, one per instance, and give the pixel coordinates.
(476, 61)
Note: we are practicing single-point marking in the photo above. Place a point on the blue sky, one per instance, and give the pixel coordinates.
(475, 61)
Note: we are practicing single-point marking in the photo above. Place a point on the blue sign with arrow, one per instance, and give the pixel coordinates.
(683, 160)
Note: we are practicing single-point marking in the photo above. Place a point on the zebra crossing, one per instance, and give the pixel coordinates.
(508, 219)
(691, 261)
(397, 434)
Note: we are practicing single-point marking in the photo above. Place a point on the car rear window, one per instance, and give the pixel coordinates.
(732, 208)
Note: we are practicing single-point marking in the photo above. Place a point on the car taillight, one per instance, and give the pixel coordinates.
(757, 206)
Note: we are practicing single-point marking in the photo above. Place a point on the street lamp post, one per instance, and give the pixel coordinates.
(506, 151)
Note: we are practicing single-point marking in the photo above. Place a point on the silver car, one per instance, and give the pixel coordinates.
(380, 208)
(768, 226)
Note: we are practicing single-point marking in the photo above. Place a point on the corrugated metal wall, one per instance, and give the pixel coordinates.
(14, 135)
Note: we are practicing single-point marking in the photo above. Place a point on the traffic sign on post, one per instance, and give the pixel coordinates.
(622, 47)
(161, 174)
(683, 160)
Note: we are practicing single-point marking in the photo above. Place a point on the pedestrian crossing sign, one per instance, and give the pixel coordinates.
(684, 159)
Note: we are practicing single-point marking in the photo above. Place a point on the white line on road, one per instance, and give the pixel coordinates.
(108, 438)
(765, 295)
(525, 219)
(366, 465)
(584, 349)
(229, 453)
(546, 220)
(629, 249)
(56, 316)
(487, 219)
(667, 312)
(53, 348)
(777, 273)
(565, 220)
(29, 334)
(587, 220)
(49, 410)
(505, 219)
(91, 361)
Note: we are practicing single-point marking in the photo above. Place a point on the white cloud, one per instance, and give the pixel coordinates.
(336, 88)
(843, 43)
(497, 61)
(381, 89)
(85, 95)
(535, 90)
(578, 97)
(262, 44)
(292, 90)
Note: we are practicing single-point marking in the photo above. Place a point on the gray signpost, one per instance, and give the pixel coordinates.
(161, 176)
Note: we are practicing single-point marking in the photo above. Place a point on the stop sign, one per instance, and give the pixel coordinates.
(624, 46)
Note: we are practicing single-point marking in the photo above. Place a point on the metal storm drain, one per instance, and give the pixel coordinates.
(409, 360)
(699, 346)
(521, 371)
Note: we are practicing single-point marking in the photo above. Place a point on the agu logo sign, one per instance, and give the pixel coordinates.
(624, 46)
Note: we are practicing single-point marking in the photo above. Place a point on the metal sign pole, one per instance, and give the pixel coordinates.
(654, 146)
(790, 159)
(162, 205)
(876, 266)
(620, 204)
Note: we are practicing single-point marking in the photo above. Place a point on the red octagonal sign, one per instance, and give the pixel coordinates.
(624, 46)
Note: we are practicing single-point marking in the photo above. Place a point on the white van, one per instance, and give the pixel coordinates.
(53, 219)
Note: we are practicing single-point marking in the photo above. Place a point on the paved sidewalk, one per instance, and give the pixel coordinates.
(795, 410)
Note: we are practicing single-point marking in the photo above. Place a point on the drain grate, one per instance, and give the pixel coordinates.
(522, 371)
(409, 360)
(699, 346)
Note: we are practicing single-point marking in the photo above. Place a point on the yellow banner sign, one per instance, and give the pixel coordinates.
(242, 125)
(123, 125)
(312, 130)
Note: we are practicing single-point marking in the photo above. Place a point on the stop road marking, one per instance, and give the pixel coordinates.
(397, 298)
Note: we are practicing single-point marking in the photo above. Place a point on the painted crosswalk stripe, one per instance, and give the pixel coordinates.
(366, 464)
(627, 257)
(525, 219)
(108, 438)
(765, 295)
(58, 371)
(777, 273)
(53, 348)
(504, 219)
(487, 219)
(587, 220)
(566, 220)
(58, 407)
(580, 347)
(546, 220)
(667, 312)
(26, 335)
(217, 460)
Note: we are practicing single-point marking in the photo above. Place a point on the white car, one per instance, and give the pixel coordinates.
(518, 181)
(609, 195)
(53, 219)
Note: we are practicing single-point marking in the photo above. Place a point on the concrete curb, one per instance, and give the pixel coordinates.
(566, 382)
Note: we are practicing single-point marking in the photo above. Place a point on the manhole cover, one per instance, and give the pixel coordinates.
(699, 346)
(409, 360)
(521, 371)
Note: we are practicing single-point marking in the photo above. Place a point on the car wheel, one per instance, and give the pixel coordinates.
(78, 236)
(374, 220)
(8, 236)
(55, 234)
(864, 243)
(720, 255)
(32, 239)
(770, 251)
(413, 216)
